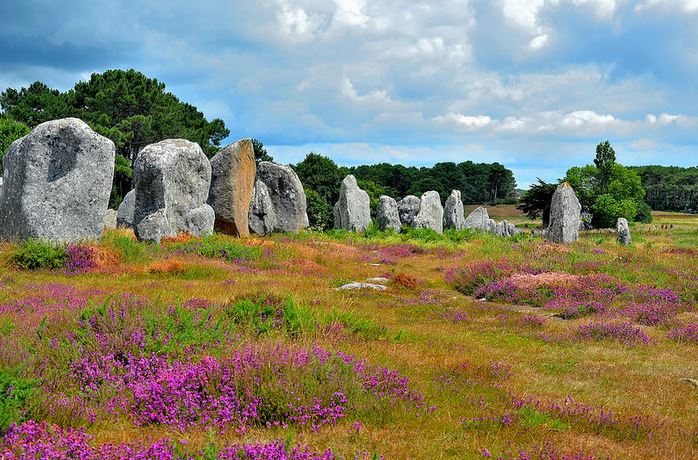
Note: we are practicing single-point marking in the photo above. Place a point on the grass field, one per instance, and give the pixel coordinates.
(480, 347)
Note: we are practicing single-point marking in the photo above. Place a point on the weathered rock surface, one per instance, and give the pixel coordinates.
(479, 220)
(378, 280)
(172, 180)
(431, 213)
(565, 216)
(57, 181)
(353, 210)
(623, 231)
(454, 215)
(287, 196)
(408, 208)
(124, 216)
(262, 217)
(505, 229)
(233, 172)
(387, 214)
(110, 219)
(357, 286)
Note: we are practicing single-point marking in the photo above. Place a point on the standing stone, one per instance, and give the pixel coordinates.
(491, 225)
(287, 196)
(233, 173)
(479, 220)
(353, 210)
(623, 231)
(124, 216)
(387, 214)
(505, 229)
(110, 219)
(431, 213)
(262, 218)
(565, 215)
(454, 216)
(408, 208)
(172, 181)
(57, 182)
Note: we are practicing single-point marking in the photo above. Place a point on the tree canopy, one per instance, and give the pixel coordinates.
(124, 105)
(669, 188)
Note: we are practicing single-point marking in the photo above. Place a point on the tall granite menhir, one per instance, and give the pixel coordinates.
(565, 215)
(233, 173)
(353, 209)
(431, 213)
(387, 215)
(454, 213)
(286, 194)
(57, 181)
(172, 180)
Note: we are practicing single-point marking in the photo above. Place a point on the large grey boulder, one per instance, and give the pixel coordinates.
(57, 182)
(233, 172)
(124, 215)
(387, 214)
(172, 180)
(408, 208)
(431, 213)
(287, 196)
(479, 219)
(565, 216)
(262, 218)
(353, 209)
(454, 215)
(623, 231)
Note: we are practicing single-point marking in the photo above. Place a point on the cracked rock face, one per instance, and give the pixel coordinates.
(623, 231)
(262, 217)
(565, 216)
(286, 194)
(408, 208)
(124, 215)
(172, 180)
(479, 219)
(454, 214)
(387, 214)
(57, 182)
(233, 172)
(353, 209)
(431, 213)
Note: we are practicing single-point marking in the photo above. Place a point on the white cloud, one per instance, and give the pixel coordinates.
(465, 121)
(538, 41)
(687, 6)
(586, 117)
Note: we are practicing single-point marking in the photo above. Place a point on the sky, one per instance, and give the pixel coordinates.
(532, 84)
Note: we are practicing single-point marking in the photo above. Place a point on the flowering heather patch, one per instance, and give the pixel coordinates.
(399, 251)
(255, 386)
(468, 374)
(567, 308)
(534, 321)
(468, 279)
(687, 333)
(404, 280)
(197, 302)
(42, 440)
(650, 314)
(80, 258)
(45, 298)
(599, 420)
(546, 451)
(623, 332)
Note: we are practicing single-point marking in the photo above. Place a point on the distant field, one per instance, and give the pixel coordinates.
(505, 212)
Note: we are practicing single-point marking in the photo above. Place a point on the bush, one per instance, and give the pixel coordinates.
(35, 254)
(131, 251)
(644, 213)
(607, 210)
(319, 210)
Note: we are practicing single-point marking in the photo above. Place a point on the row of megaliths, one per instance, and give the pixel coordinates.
(58, 178)
(353, 212)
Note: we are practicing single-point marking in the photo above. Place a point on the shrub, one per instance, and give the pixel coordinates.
(262, 314)
(468, 279)
(623, 332)
(404, 280)
(80, 258)
(167, 267)
(130, 250)
(14, 394)
(36, 254)
(687, 333)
